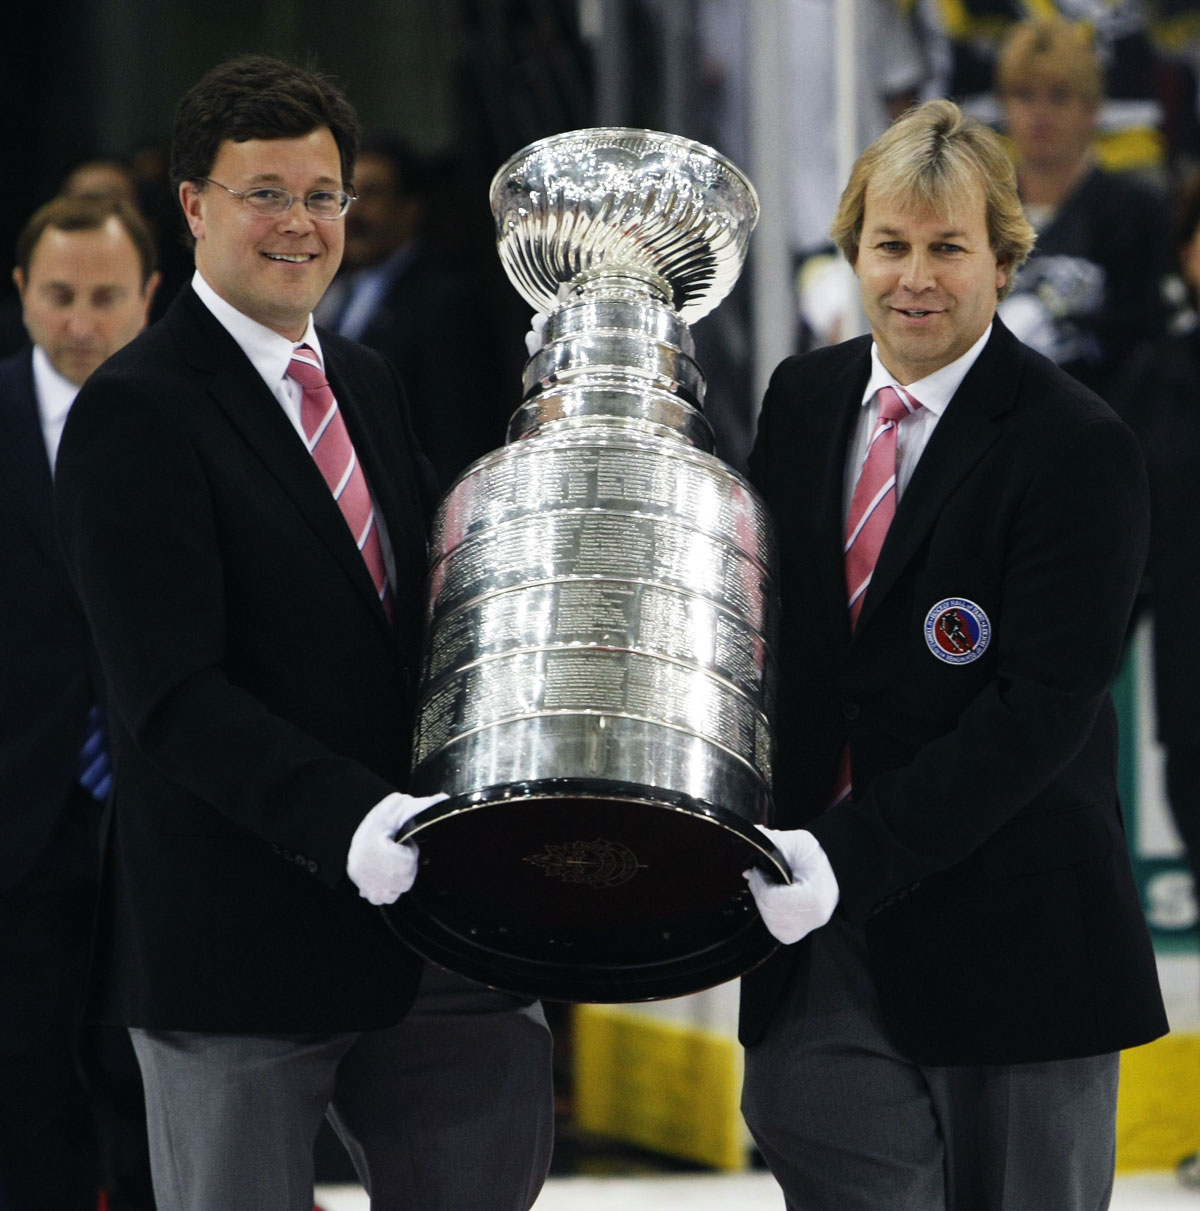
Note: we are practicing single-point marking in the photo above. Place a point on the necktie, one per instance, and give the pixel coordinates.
(329, 444)
(95, 765)
(872, 508)
(873, 504)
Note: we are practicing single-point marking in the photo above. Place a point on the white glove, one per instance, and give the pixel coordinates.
(382, 869)
(791, 911)
(535, 338)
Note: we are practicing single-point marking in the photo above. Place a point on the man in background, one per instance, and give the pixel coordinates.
(71, 1112)
(402, 297)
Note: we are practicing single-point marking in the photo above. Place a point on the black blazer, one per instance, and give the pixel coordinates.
(983, 852)
(47, 679)
(261, 699)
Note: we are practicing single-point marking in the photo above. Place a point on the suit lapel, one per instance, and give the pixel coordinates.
(966, 430)
(848, 386)
(393, 493)
(239, 391)
(818, 474)
(387, 492)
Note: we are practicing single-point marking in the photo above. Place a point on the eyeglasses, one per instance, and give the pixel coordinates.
(271, 202)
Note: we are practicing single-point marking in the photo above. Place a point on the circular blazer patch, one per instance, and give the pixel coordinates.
(957, 631)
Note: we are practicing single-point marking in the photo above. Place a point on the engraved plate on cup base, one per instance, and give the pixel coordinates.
(580, 895)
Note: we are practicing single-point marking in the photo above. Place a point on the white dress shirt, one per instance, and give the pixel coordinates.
(933, 392)
(55, 395)
(271, 355)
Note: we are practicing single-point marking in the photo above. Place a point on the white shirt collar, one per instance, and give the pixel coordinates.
(935, 390)
(55, 395)
(269, 353)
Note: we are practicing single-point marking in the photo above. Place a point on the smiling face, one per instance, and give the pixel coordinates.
(272, 269)
(929, 282)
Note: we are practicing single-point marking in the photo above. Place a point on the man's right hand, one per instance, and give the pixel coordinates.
(382, 868)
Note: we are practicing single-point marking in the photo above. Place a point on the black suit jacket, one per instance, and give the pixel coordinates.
(47, 682)
(261, 700)
(983, 851)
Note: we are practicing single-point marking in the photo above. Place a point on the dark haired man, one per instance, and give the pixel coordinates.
(243, 508)
(86, 277)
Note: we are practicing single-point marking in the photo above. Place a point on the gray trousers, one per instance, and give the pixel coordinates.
(846, 1123)
(451, 1110)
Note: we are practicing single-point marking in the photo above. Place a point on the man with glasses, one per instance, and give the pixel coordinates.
(244, 510)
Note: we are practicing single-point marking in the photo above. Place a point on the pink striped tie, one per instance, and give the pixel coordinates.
(872, 508)
(873, 504)
(332, 451)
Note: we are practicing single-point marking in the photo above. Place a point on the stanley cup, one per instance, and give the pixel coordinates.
(598, 671)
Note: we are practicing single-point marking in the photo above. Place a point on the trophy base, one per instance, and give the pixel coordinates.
(572, 890)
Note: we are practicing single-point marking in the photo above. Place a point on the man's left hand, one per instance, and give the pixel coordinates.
(791, 911)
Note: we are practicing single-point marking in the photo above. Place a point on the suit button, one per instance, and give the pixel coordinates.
(312, 867)
(851, 710)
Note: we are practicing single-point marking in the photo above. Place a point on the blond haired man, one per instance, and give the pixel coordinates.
(964, 949)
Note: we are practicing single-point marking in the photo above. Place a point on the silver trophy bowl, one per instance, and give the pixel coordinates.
(599, 671)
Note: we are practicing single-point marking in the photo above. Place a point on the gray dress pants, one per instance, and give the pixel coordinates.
(846, 1123)
(451, 1110)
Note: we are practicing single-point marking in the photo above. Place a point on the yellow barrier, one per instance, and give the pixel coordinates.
(662, 1085)
(1158, 1108)
(673, 1088)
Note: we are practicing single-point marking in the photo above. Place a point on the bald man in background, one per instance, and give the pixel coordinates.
(71, 1114)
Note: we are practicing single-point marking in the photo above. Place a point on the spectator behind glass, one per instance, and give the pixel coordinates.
(1161, 401)
(963, 38)
(1090, 295)
(397, 295)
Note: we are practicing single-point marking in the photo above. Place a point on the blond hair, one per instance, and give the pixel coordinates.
(930, 158)
(1045, 50)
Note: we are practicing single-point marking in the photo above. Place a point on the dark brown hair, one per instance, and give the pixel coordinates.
(258, 97)
(86, 214)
